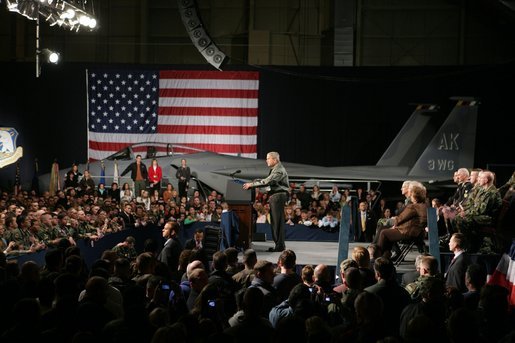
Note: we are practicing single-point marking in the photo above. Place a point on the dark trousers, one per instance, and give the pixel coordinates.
(183, 189)
(277, 202)
(157, 187)
(138, 187)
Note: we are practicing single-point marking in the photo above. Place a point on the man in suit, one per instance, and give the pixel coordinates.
(394, 297)
(197, 242)
(128, 218)
(172, 248)
(455, 275)
(365, 224)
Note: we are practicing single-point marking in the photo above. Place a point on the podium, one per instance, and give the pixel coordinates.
(240, 202)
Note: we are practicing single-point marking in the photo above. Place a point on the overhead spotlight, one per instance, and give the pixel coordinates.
(50, 56)
(74, 15)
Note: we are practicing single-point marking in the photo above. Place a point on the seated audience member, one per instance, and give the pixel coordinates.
(308, 275)
(428, 268)
(244, 277)
(102, 191)
(126, 248)
(304, 218)
(344, 265)
(126, 194)
(114, 192)
(286, 309)
(410, 224)
(197, 242)
(482, 211)
(329, 222)
(411, 276)
(233, 266)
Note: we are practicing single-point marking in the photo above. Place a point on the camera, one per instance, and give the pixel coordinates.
(165, 287)
(327, 299)
(211, 303)
(311, 289)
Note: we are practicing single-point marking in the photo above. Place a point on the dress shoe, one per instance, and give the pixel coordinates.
(271, 250)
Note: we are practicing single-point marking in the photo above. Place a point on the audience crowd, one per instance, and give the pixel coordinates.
(180, 294)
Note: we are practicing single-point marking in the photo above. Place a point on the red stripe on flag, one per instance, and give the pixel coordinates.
(208, 93)
(220, 148)
(208, 75)
(205, 111)
(106, 146)
(225, 148)
(207, 130)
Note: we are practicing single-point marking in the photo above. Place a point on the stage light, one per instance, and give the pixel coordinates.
(50, 56)
(57, 12)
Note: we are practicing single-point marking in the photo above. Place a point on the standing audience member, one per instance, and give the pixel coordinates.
(139, 175)
(287, 278)
(394, 297)
(172, 248)
(455, 275)
(263, 280)
(183, 175)
(155, 175)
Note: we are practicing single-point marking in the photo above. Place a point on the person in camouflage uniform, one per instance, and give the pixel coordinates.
(126, 248)
(469, 201)
(48, 232)
(428, 269)
(85, 229)
(481, 211)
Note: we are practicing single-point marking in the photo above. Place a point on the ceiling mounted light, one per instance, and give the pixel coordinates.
(57, 12)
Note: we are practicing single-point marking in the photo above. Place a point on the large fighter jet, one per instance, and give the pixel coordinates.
(418, 152)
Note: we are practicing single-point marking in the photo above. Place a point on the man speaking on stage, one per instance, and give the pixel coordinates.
(277, 186)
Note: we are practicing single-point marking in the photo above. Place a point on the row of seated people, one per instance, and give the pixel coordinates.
(147, 299)
(32, 223)
(473, 206)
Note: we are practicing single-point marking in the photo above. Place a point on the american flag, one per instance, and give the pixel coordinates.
(210, 110)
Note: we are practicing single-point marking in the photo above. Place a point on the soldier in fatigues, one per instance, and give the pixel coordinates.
(126, 249)
(481, 211)
(428, 269)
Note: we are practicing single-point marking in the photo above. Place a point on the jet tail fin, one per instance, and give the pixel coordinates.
(405, 148)
(453, 145)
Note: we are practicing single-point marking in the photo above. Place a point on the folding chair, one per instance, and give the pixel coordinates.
(407, 245)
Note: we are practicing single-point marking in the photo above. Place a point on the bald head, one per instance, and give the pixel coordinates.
(322, 273)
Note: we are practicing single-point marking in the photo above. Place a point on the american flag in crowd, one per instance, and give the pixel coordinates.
(210, 110)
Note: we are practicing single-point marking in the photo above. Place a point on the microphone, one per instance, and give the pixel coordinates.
(234, 173)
